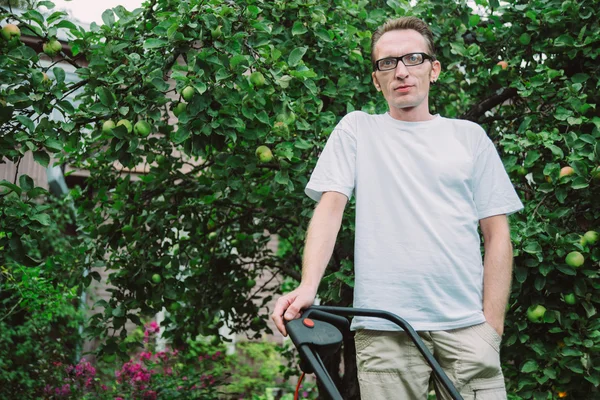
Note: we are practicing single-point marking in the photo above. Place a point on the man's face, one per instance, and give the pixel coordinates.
(406, 89)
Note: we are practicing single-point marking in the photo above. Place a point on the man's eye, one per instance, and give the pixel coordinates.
(389, 62)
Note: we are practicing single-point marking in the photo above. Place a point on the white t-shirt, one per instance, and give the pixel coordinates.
(421, 189)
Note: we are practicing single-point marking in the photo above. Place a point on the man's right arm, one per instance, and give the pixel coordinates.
(320, 241)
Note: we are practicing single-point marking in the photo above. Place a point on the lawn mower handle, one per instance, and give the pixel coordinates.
(330, 318)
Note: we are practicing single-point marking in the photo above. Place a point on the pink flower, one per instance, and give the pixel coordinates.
(104, 387)
(145, 355)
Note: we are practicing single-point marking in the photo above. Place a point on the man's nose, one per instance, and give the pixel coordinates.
(401, 71)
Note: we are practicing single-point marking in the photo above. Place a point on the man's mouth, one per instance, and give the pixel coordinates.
(403, 88)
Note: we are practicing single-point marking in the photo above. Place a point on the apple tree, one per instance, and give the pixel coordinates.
(200, 121)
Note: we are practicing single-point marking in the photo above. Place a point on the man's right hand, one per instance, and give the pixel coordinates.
(291, 305)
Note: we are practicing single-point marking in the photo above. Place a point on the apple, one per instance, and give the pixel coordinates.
(142, 128)
(575, 259)
(179, 108)
(187, 93)
(536, 313)
(9, 31)
(566, 171)
(281, 129)
(590, 237)
(502, 64)
(212, 235)
(126, 124)
(156, 278)
(521, 171)
(257, 78)
(52, 47)
(45, 78)
(108, 126)
(160, 159)
(570, 298)
(250, 283)
(264, 154)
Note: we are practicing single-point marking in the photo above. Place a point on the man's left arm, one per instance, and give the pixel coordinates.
(497, 269)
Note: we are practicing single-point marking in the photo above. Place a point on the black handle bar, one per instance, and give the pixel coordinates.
(317, 333)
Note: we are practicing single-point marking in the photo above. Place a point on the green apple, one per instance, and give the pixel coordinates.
(521, 171)
(179, 108)
(536, 313)
(264, 154)
(590, 237)
(142, 128)
(187, 93)
(257, 78)
(156, 278)
(212, 235)
(575, 259)
(52, 47)
(570, 298)
(9, 31)
(108, 126)
(250, 283)
(126, 124)
(281, 129)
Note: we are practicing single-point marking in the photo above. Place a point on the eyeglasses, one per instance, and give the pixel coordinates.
(410, 60)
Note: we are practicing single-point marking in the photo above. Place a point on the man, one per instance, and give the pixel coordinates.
(423, 184)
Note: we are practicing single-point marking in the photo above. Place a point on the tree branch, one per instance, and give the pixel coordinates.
(480, 109)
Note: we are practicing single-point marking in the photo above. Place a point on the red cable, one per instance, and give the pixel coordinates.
(298, 386)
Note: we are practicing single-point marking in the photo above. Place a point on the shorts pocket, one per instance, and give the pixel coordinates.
(363, 339)
(489, 334)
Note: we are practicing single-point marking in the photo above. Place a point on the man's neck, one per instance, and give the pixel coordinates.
(411, 114)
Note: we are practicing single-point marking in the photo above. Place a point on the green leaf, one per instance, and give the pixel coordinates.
(154, 43)
(557, 151)
(564, 41)
(11, 187)
(532, 247)
(67, 25)
(59, 74)
(525, 39)
(298, 28)
(296, 55)
(106, 97)
(42, 158)
(108, 17)
(53, 144)
(180, 135)
(580, 78)
(474, 20)
(43, 219)
(27, 122)
(48, 4)
(529, 366)
(26, 182)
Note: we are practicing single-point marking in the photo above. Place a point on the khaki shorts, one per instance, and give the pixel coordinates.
(391, 367)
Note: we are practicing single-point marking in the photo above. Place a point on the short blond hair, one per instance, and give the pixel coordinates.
(402, 23)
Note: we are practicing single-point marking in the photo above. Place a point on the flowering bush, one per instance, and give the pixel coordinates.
(150, 375)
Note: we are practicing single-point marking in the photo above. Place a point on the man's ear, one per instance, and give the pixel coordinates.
(436, 69)
(376, 82)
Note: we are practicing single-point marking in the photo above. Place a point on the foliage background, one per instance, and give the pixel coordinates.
(203, 214)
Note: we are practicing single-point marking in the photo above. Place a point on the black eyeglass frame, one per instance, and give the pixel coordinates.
(398, 59)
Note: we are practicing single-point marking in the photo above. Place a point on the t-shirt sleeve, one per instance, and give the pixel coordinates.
(335, 169)
(493, 191)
